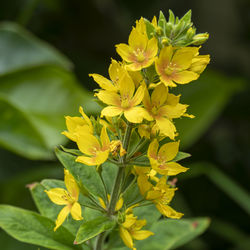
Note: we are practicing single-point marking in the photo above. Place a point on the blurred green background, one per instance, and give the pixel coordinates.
(40, 83)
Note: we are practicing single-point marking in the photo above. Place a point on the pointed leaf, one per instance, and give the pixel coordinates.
(92, 228)
(30, 227)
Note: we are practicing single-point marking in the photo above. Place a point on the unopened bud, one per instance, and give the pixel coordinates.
(165, 41)
(200, 38)
(190, 33)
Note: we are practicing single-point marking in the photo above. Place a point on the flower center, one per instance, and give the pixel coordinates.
(170, 68)
(139, 55)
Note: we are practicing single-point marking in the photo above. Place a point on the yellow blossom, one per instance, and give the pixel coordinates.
(161, 195)
(175, 65)
(124, 103)
(118, 205)
(96, 151)
(140, 52)
(131, 229)
(163, 107)
(68, 198)
(75, 124)
(162, 161)
(116, 71)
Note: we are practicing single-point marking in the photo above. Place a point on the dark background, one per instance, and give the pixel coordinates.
(86, 32)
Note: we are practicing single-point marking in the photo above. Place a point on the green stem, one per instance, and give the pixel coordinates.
(99, 241)
(117, 186)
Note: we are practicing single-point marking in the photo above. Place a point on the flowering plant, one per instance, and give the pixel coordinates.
(127, 158)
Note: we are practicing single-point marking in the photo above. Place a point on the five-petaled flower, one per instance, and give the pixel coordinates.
(162, 160)
(96, 151)
(68, 197)
(140, 52)
(131, 229)
(180, 65)
(126, 102)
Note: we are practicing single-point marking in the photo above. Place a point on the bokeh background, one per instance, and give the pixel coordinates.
(40, 83)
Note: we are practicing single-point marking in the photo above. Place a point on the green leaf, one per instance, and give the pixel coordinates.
(170, 234)
(36, 91)
(171, 18)
(207, 98)
(150, 28)
(86, 176)
(19, 49)
(30, 227)
(181, 156)
(109, 172)
(132, 195)
(187, 17)
(92, 228)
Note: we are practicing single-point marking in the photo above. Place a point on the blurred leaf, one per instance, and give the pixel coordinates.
(33, 228)
(36, 91)
(19, 50)
(86, 176)
(222, 181)
(93, 227)
(181, 155)
(170, 234)
(33, 104)
(207, 98)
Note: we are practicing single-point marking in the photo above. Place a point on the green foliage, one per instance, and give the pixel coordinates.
(93, 227)
(86, 176)
(33, 228)
(170, 234)
(32, 73)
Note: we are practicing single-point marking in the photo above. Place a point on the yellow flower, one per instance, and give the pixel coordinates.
(175, 65)
(161, 161)
(163, 107)
(140, 52)
(75, 124)
(116, 71)
(97, 151)
(131, 229)
(124, 103)
(68, 198)
(118, 205)
(161, 195)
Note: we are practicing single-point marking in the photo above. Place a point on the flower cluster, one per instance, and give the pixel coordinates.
(136, 129)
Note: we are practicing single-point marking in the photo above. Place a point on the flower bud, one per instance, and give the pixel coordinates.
(200, 38)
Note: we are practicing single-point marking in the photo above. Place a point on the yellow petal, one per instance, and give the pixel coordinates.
(104, 139)
(129, 220)
(71, 184)
(109, 97)
(126, 237)
(135, 114)
(172, 112)
(153, 195)
(137, 40)
(86, 118)
(175, 168)
(111, 111)
(72, 123)
(119, 204)
(154, 22)
(76, 211)
(139, 94)
(185, 76)
(142, 234)
(58, 196)
(169, 150)
(183, 57)
(152, 49)
(159, 95)
(103, 82)
(143, 184)
(87, 143)
(164, 59)
(166, 127)
(125, 51)
(152, 149)
(102, 203)
(62, 216)
(168, 211)
(199, 63)
(101, 157)
(127, 87)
